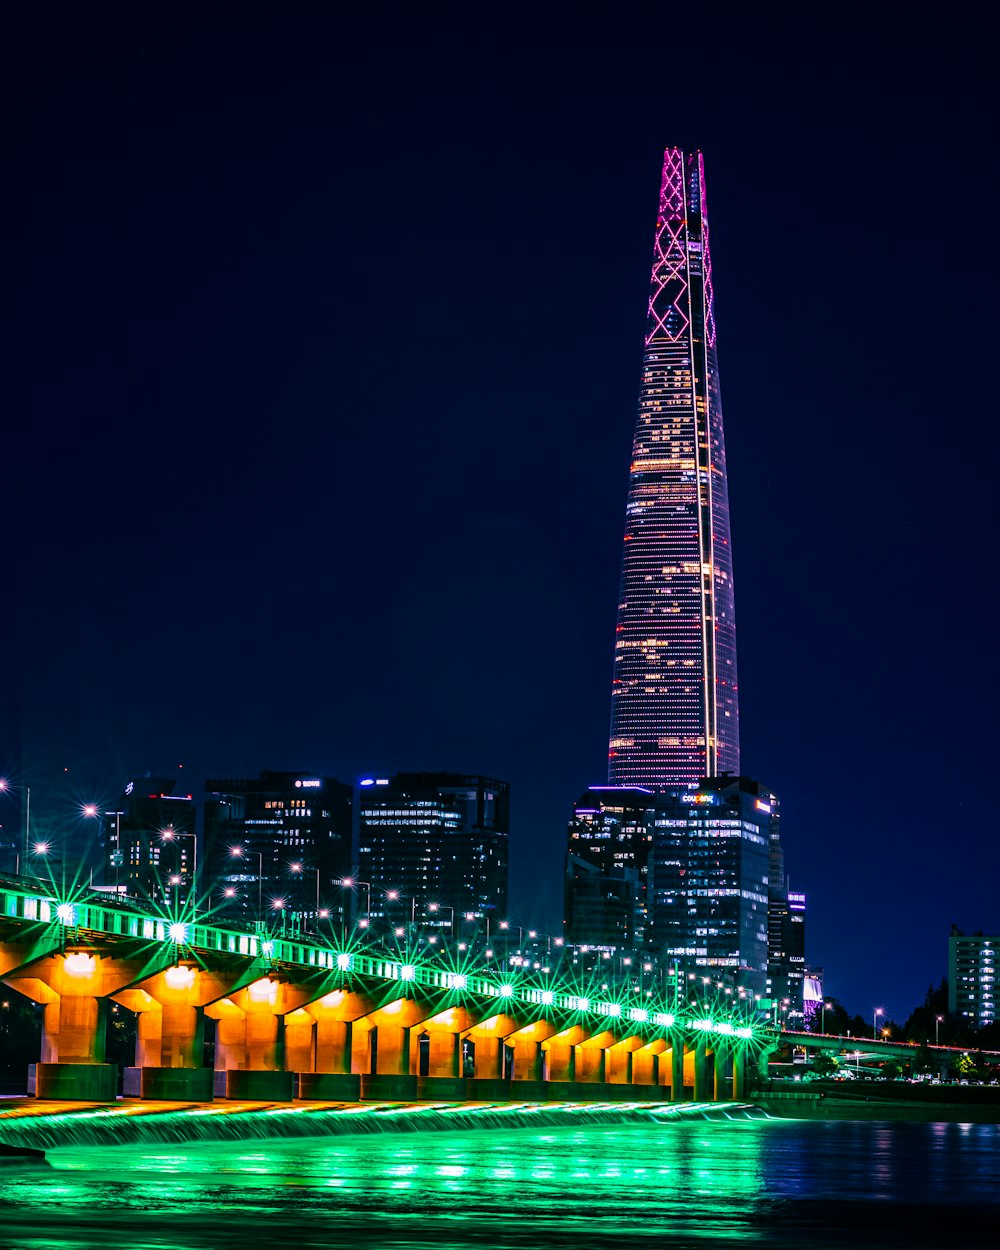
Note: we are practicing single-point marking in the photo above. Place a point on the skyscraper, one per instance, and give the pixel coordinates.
(710, 868)
(674, 714)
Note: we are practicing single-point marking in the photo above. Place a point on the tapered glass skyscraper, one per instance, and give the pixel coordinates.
(674, 713)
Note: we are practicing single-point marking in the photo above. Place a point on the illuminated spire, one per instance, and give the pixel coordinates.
(674, 711)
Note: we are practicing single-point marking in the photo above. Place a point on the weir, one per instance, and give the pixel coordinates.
(124, 1126)
(315, 1020)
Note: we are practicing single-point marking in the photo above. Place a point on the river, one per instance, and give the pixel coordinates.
(765, 1182)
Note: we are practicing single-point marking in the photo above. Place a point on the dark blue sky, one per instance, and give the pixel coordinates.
(326, 343)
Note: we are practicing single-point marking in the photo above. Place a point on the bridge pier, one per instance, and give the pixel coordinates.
(676, 1067)
(700, 1073)
(720, 1072)
(739, 1059)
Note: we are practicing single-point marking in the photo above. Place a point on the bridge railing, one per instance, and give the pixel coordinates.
(80, 917)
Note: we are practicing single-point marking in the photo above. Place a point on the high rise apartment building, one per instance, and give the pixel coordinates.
(973, 969)
(674, 713)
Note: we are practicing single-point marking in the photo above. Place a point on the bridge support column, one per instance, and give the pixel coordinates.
(72, 1064)
(561, 1061)
(720, 1065)
(739, 1057)
(73, 1029)
(391, 1075)
(700, 1081)
(527, 1059)
(591, 1065)
(676, 1068)
(445, 1054)
(334, 1045)
(334, 1075)
(488, 1058)
(300, 1041)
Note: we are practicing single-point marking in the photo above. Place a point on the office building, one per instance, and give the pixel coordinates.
(434, 839)
(674, 712)
(710, 879)
(279, 845)
(607, 866)
(148, 842)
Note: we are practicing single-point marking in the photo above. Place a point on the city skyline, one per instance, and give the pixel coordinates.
(322, 425)
(674, 697)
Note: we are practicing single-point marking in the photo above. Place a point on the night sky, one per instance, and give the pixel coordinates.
(325, 350)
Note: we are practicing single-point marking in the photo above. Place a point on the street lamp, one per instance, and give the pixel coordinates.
(299, 868)
(937, 1030)
(237, 852)
(875, 1015)
(279, 904)
(7, 787)
(169, 835)
(350, 882)
(822, 1026)
(435, 907)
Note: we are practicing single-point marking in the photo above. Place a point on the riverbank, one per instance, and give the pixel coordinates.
(919, 1104)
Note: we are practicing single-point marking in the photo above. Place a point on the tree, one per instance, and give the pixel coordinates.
(824, 1064)
(891, 1071)
(961, 1068)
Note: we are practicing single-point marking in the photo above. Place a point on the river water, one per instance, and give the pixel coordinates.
(793, 1183)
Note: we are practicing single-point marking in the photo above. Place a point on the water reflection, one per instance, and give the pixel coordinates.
(674, 1185)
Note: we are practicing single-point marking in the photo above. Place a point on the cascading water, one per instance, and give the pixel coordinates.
(139, 1124)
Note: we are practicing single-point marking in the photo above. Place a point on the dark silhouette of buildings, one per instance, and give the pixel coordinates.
(434, 839)
(148, 843)
(279, 843)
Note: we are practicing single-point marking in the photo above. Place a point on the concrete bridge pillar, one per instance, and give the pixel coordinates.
(74, 1029)
(561, 1061)
(265, 1034)
(646, 1065)
(300, 1041)
(700, 1073)
(445, 1054)
(392, 1053)
(488, 1058)
(527, 1058)
(739, 1058)
(720, 1067)
(676, 1068)
(618, 1065)
(230, 1037)
(591, 1065)
(334, 1045)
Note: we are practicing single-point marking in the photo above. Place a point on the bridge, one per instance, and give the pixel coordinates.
(328, 1020)
(872, 1048)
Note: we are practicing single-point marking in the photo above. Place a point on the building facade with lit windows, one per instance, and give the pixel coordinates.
(610, 837)
(434, 839)
(279, 842)
(147, 843)
(710, 877)
(973, 963)
(674, 710)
